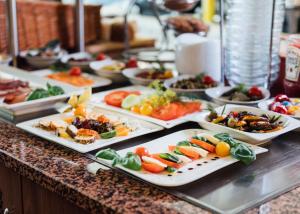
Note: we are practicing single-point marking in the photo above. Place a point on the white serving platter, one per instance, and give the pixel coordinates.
(34, 82)
(143, 128)
(215, 95)
(190, 172)
(252, 138)
(265, 106)
(98, 81)
(98, 99)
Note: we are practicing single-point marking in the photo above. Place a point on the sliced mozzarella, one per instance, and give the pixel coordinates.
(154, 161)
(201, 152)
(182, 158)
(211, 138)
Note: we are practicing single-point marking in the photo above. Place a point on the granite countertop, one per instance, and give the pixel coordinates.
(64, 172)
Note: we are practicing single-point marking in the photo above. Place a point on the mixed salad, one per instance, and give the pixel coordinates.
(161, 73)
(242, 93)
(84, 126)
(181, 154)
(284, 105)
(246, 121)
(162, 104)
(200, 81)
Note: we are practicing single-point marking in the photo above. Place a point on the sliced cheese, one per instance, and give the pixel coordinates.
(154, 161)
(182, 158)
(211, 138)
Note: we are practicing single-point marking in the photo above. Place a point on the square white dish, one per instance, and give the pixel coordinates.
(34, 82)
(143, 127)
(98, 99)
(98, 81)
(252, 138)
(207, 166)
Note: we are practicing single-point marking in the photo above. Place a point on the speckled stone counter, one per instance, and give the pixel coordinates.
(64, 172)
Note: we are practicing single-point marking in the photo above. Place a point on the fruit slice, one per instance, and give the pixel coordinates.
(130, 101)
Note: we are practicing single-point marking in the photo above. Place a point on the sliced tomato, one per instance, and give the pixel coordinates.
(189, 152)
(151, 167)
(171, 148)
(169, 163)
(141, 151)
(204, 145)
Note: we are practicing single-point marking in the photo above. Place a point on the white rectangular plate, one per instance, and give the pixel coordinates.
(253, 138)
(143, 127)
(98, 81)
(98, 99)
(191, 171)
(35, 82)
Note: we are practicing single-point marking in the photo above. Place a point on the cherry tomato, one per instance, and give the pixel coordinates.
(255, 92)
(207, 80)
(281, 109)
(281, 98)
(151, 167)
(115, 98)
(132, 63)
(141, 151)
(75, 71)
(222, 149)
(101, 56)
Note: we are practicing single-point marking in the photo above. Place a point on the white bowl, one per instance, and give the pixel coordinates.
(115, 76)
(252, 138)
(41, 61)
(266, 103)
(215, 95)
(169, 82)
(131, 73)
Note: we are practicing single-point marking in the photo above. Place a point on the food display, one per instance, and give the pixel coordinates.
(74, 77)
(162, 104)
(51, 50)
(200, 81)
(87, 58)
(176, 156)
(244, 94)
(246, 121)
(16, 91)
(284, 105)
(155, 74)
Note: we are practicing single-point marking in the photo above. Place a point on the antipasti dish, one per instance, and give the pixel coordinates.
(240, 94)
(86, 129)
(74, 77)
(158, 105)
(181, 157)
(22, 92)
(250, 124)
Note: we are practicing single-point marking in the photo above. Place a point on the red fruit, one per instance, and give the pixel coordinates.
(255, 92)
(281, 109)
(101, 56)
(132, 63)
(281, 98)
(141, 151)
(75, 71)
(207, 80)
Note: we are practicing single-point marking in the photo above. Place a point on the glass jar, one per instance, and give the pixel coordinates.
(292, 69)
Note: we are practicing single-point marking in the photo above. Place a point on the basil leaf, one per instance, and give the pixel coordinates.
(38, 94)
(169, 157)
(54, 90)
(184, 143)
(226, 138)
(170, 169)
(108, 154)
(131, 161)
(243, 153)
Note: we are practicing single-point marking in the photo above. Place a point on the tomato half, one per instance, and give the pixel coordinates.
(151, 167)
(141, 151)
(115, 98)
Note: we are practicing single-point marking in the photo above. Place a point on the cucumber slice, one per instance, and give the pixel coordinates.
(130, 101)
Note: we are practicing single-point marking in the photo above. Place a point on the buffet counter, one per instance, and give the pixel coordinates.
(50, 176)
